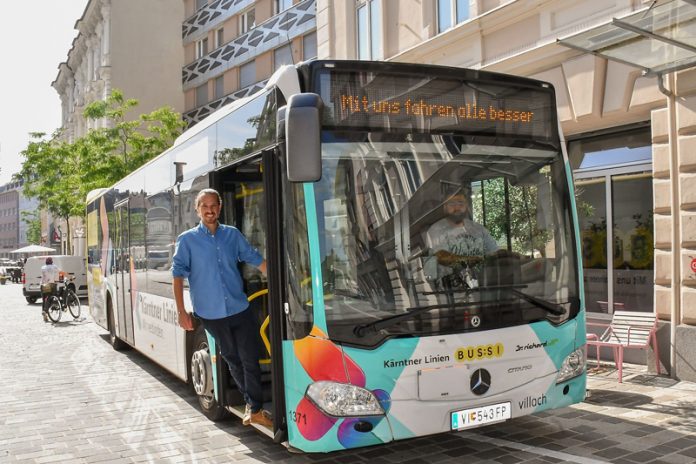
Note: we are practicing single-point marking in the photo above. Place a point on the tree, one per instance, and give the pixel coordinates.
(60, 174)
(123, 146)
(518, 216)
(33, 222)
(52, 174)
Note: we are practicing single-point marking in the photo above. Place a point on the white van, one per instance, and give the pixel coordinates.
(73, 266)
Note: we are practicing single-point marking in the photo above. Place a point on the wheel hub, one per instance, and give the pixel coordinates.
(201, 373)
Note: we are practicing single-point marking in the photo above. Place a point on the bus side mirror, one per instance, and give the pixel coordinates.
(303, 137)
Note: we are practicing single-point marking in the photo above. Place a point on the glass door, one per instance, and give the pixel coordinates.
(617, 254)
(591, 201)
(633, 240)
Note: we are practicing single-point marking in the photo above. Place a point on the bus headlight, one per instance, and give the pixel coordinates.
(343, 400)
(573, 365)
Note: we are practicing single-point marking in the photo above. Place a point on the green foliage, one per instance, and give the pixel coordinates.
(33, 222)
(60, 174)
(125, 145)
(520, 217)
(51, 174)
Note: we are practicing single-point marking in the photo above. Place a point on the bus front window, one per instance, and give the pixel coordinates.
(424, 235)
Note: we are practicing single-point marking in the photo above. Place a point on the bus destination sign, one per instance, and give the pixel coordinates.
(397, 102)
(470, 111)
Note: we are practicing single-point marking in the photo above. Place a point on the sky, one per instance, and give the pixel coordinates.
(35, 38)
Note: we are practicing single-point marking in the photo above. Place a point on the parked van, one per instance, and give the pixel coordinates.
(73, 266)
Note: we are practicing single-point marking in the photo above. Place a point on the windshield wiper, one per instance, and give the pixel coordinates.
(550, 307)
(450, 291)
(379, 324)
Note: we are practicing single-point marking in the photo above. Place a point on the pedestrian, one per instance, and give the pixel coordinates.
(207, 255)
(50, 275)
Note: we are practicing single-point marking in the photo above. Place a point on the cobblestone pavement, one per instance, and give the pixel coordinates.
(66, 396)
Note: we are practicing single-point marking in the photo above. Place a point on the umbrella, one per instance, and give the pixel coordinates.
(34, 249)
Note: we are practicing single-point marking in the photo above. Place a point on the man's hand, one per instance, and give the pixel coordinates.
(185, 321)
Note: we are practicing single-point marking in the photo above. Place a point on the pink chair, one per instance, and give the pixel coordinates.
(628, 329)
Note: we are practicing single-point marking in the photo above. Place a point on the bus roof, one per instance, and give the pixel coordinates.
(285, 78)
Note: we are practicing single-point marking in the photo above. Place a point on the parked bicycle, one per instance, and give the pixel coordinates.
(64, 299)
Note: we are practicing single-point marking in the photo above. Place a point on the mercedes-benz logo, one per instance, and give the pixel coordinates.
(475, 321)
(480, 381)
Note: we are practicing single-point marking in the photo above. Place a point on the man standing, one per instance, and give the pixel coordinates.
(207, 256)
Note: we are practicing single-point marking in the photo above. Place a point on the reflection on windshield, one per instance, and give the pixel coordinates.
(466, 231)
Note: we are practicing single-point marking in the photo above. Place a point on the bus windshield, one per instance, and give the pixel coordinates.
(430, 234)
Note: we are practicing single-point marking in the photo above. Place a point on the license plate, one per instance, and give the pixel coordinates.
(482, 415)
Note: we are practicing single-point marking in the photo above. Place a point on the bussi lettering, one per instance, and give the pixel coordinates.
(472, 353)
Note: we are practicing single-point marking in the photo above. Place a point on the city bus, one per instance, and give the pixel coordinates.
(343, 175)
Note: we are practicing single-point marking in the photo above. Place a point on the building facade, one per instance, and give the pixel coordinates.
(128, 45)
(232, 47)
(13, 228)
(9, 219)
(631, 139)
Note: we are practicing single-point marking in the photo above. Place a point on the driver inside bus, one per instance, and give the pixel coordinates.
(456, 243)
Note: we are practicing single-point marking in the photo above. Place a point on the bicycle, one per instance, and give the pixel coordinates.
(63, 300)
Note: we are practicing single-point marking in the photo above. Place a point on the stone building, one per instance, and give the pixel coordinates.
(130, 45)
(232, 47)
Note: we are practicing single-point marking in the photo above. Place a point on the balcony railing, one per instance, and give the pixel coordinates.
(271, 34)
(196, 115)
(197, 26)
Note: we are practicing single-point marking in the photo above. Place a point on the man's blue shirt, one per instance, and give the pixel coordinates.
(209, 262)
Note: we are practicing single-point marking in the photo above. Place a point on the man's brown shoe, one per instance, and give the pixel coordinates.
(246, 420)
(262, 417)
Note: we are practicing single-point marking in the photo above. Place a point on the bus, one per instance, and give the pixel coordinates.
(341, 173)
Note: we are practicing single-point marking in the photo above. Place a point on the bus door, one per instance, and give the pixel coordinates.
(124, 266)
(244, 207)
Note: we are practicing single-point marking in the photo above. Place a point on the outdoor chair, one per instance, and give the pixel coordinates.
(628, 329)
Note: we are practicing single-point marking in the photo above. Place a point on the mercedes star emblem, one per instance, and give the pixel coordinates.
(480, 381)
(475, 321)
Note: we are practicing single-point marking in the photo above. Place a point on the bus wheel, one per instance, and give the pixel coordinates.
(202, 378)
(116, 343)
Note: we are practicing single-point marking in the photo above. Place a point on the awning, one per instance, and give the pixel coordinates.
(660, 39)
(34, 249)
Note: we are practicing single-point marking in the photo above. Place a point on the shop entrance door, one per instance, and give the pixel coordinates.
(615, 210)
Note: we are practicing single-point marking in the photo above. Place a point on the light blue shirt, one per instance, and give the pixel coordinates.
(209, 262)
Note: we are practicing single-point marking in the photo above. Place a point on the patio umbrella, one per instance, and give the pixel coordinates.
(34, 249)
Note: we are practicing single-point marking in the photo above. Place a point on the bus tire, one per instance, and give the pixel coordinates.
(202, 378)
(116, 343)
